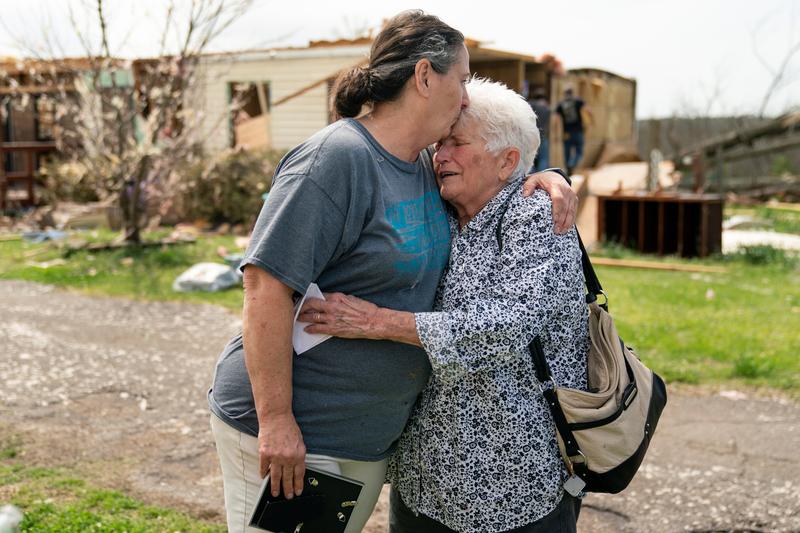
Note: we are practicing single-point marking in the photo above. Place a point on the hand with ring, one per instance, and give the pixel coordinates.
(340, 315)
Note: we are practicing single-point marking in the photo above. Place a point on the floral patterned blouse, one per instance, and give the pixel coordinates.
(479, 453)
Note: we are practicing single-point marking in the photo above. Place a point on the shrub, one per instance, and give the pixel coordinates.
(613, 250)
(68, 181)
(228, 188)
(781, 164)
(751, 367)
(764, 254)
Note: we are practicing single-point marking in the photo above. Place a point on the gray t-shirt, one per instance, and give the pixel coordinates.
(346, 214)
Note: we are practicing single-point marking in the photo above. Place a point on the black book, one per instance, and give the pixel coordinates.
(324, 507)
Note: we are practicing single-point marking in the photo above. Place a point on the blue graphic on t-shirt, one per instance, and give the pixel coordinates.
(424, 233)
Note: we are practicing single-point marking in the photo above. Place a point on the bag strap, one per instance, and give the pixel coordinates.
(575, 460)
(498, 230)
(593, 287)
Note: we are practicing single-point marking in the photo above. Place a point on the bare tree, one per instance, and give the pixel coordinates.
(132, 124)
(780, 72)
(694, 114)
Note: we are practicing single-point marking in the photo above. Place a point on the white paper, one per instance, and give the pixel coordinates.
(301, 340)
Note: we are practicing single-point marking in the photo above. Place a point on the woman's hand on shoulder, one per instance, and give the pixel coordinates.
(565, 201)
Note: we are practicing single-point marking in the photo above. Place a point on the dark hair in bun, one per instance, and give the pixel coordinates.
(404, 40)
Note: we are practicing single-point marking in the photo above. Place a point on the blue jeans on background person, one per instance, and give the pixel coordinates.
(573, 149)
(542, 160)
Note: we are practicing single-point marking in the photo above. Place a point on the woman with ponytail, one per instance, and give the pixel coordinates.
(354, 209)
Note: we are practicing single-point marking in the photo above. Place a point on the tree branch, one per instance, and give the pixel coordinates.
(778, 78)
(101, 19)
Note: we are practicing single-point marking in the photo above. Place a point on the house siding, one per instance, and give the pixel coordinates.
(291, 121)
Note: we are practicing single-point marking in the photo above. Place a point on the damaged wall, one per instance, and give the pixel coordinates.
(286, 72)
(612, 100)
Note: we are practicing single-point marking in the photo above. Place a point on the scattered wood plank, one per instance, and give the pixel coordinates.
(783, 205)
(677, 267)
(739, 137)
(36, 252)
(765, 192)
(104, 246)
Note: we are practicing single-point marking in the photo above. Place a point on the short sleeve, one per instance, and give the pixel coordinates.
(297, 233)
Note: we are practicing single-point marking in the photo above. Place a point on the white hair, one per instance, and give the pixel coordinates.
(504, 119)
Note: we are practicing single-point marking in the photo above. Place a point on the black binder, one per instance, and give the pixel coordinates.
(324, 507)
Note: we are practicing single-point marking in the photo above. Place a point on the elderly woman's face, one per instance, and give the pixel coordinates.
(468, 175)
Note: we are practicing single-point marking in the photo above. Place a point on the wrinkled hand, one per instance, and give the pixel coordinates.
(340, 315)
(565, 201)
(282, 455)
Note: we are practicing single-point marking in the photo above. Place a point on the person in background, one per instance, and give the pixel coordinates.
(570, 110)
(541, 107)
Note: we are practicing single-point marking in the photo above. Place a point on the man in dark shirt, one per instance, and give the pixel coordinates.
(541, 107)
(569, 110)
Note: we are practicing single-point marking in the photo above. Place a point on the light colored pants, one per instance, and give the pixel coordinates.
(238, 458)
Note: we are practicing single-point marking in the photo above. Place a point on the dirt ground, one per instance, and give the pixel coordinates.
(115, 389)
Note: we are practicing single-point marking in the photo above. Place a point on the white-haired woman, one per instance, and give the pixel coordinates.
(480, 454)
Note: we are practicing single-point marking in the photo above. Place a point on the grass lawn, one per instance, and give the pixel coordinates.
(742, 325)
(143, 273)
(55, 502)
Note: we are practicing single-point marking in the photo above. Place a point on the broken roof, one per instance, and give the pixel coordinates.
(13, 65)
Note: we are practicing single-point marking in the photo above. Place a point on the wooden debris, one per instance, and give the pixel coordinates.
(677, 267)
(783, 205)
(745, 137)
(103, 246)
(628, 177)
(37, 252)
